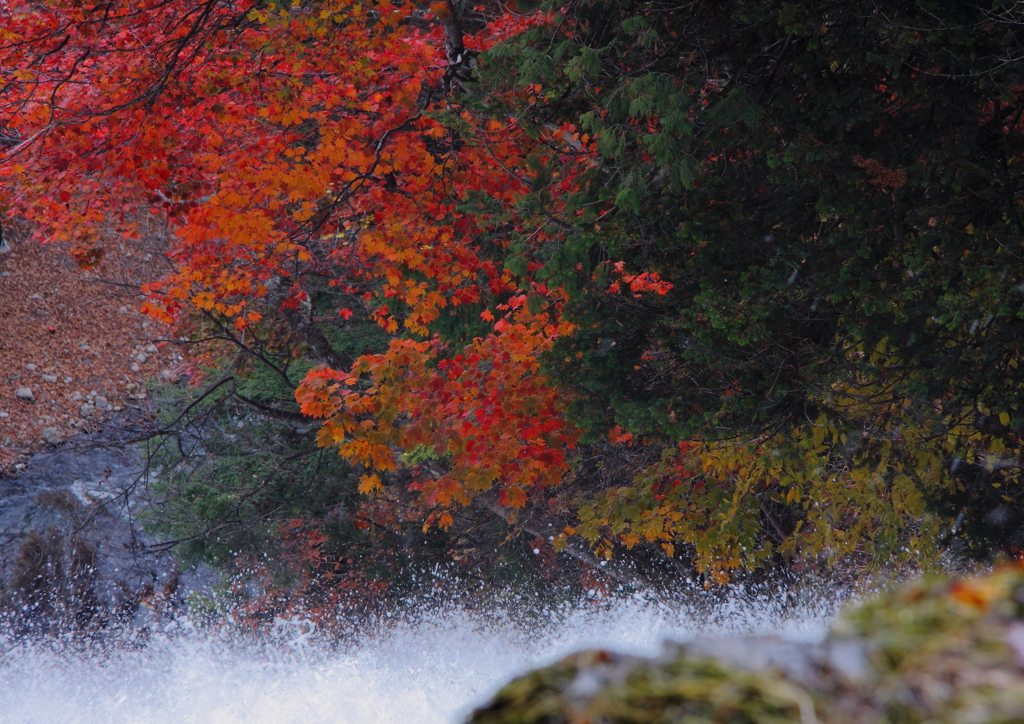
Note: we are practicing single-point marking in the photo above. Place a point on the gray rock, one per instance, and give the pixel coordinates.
(101, 403)
(49, 378)
(87, 497)
(151, 349)
(25, 393)
(86, 410)
(4, 414)
(135, 368)
(53, 436)
(141, 358)
(35, 296)
(30, 367)
(1015, 637)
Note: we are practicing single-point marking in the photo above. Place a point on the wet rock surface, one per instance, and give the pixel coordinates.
(936, 651)
(73, 554)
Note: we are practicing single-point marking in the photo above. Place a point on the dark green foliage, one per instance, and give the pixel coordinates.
(240, 483)
(239, 487)
(817, 180)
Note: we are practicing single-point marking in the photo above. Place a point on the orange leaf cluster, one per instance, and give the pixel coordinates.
(285, 144)
(488, 412)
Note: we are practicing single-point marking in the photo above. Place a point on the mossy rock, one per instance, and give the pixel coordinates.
(934, 651)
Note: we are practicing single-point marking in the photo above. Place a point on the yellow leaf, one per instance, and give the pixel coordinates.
(1004, 418)
(516, 497)
(369, 483)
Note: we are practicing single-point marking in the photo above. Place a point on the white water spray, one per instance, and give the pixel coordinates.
(431, 670)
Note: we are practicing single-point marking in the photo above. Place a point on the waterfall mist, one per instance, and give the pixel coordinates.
(431, 666)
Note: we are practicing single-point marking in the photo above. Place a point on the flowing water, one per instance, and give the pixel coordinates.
(430, 666)
(433, 667)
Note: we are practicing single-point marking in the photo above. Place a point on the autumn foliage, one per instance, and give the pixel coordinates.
(574, 234)
(488, 410)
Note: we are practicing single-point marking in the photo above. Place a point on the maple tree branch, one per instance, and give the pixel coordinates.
(545, 530)
(454, 45)
(155, 90)
(256, 354)
(314, 337)
(272, 411)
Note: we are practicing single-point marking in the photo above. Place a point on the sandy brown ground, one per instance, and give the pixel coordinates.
(84, 336)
